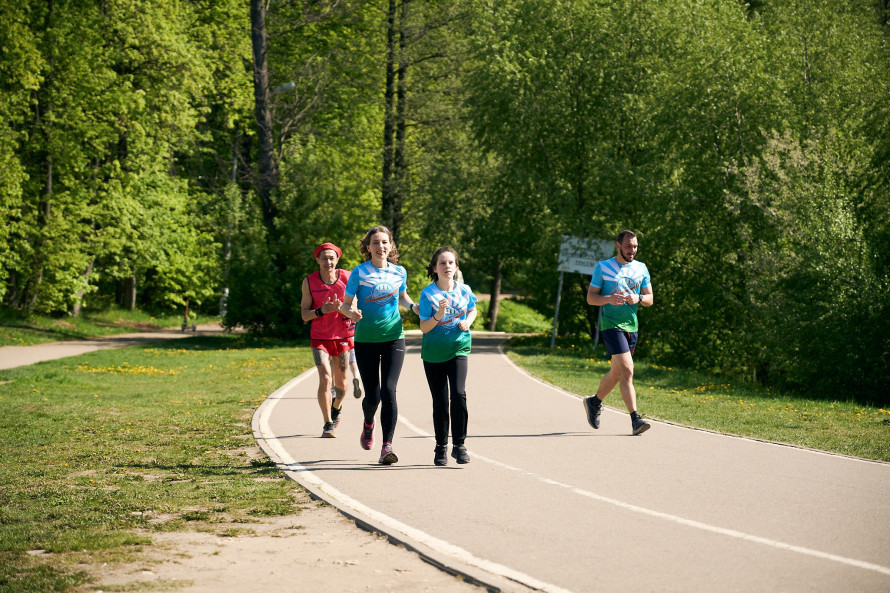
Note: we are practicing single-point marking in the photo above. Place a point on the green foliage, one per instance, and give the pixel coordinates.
(513, 317)
(119, 92)
(747, 144)
(641, 115)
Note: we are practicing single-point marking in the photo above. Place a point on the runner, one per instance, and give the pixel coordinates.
(447, 311)
(331, 333)
(620, 285)
(374, 292)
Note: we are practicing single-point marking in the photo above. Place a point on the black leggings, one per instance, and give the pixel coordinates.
(380, 364)
(440, 375)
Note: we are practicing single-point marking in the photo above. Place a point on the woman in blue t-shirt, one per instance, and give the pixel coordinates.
(447, 310)
(373, 294)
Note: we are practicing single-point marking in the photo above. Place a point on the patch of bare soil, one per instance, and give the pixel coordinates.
(317, 550)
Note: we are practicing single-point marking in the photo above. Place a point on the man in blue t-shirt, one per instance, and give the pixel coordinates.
(620, 285)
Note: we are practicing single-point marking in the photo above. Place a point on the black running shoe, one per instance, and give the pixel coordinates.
(441, 457)
(328, 432)
(639, 425)
(335, 415)
(459, 452)
(593, 406)
(356, 388)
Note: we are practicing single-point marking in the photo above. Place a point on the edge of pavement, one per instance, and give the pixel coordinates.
(449, 563)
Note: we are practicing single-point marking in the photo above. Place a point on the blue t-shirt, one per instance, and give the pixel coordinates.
(612, 277)
(376, 292)
(446, 340)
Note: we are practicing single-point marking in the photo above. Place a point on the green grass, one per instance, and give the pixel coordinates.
(101, 449)
(513, 317)
(16, 330)
(702, 401)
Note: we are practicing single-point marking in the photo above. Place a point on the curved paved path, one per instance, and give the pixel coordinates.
(548, 503)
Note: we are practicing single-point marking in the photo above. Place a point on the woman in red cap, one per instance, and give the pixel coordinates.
(331, 332)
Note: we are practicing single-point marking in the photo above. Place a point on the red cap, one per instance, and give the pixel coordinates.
(324, 246)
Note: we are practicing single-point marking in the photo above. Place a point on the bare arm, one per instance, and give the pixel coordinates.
(428, 325)
(467, 323)
(406, 302)
(306, 310)
(347, 308)
(598, 300)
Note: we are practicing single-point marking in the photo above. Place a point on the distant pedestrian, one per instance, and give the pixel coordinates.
(374, 292)
(331, 333)
(620, 285)
(447, 311)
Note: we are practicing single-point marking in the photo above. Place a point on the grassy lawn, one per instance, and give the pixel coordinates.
(99, 451)
(35, 329)
(692, 399)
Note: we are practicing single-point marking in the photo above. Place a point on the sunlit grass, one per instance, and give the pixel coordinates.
(695, 399)
(101, 450)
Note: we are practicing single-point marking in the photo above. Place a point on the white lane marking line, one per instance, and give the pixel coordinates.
(698, 524)
(263, 431)
(668, 517)
(642, 510)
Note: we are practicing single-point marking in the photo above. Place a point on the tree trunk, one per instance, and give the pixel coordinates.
(78, 300)
(130, 293)
(399, 169)
(268, 166)
(387, 203)
(495, 296)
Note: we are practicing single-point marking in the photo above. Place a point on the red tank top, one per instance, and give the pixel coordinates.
(333, 325)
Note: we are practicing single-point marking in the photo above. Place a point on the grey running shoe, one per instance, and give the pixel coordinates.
(328, 432)
(459, 452)
(593, 406)
(639, 425)
(387, 456)
(367, 438)
(441, 458)
(356, 388)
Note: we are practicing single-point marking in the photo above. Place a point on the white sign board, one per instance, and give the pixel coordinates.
(581, 255)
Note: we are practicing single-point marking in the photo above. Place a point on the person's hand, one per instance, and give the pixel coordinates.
(443, 305)
(464, 325)
(617, 299)
(354, 314)
(331, 304)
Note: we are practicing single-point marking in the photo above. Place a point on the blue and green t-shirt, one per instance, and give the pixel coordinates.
(376, 292)
(612, 277)
(446, 340)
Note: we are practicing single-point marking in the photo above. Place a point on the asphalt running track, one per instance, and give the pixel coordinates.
(549, 504)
